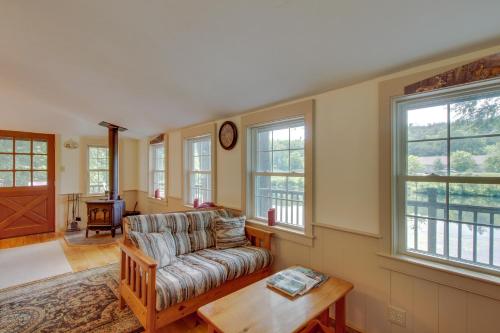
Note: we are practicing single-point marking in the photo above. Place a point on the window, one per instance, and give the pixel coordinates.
(277, 171)
(447, 181)
(199, 169)
(157, 169)
(98, 179)
(23, 162)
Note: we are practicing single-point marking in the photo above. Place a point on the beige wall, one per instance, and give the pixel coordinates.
(352, 215)
(71, 173)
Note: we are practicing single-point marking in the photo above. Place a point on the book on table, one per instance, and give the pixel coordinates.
(296, 280)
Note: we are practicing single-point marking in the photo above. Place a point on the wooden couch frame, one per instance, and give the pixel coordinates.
(138, 284)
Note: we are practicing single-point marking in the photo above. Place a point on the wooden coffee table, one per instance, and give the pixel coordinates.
(259, 309)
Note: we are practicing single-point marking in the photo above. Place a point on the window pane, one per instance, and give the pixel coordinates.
(475, 157)
(6, 145)
(205, 147)
(264, 161)
(467, 241)
(281, 139)
(483, 244)
(426, 199)
(6, 162)
(297, 161)
(453, 239)
(474, 203)
(427, 157)
(6, 179)
(476, 116)
(23, 162)
(264, 141)
(428, 123)
(205, 163)
(39, 147)
(40, 162)
(39, 178)
(297, 136)
(281, 161)
(23, 178)
(422, 234)
(410, 232)
(23, 146)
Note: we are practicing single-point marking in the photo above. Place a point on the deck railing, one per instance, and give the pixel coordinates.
(289, 205)
(470, 235)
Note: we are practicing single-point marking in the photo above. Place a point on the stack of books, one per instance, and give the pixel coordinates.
(296, 280)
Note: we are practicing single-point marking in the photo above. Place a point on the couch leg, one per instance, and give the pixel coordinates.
(122, 303)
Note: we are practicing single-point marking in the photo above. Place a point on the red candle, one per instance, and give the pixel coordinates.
(271, 216)
(195, 202)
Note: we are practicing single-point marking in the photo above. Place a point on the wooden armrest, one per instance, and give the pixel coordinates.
(137, 255)
(259, 237)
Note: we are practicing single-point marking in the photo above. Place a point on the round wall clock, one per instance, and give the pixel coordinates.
(228, 135)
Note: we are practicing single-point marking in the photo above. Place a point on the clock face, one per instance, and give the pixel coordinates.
(228, 135)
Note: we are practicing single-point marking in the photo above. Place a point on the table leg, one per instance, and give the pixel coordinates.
(340, 315)
(211, 329)
(324, 317)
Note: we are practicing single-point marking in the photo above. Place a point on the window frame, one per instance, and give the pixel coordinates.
(153, 170)
(89, 170)
(252, 151)
(305, 109)
(189, 166)
(399, 166)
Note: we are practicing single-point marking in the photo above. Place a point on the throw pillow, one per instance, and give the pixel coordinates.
(230, 232)
(159, 246)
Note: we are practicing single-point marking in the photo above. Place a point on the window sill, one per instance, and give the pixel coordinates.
(285, 233)
(460, 278)
(156, 200)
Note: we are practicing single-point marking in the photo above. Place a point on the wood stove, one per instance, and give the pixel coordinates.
(107, 214)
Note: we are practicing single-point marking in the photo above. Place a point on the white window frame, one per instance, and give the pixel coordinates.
(89, 147)
(153, 170)
(252, 134)
(189, 172)
(399, 156)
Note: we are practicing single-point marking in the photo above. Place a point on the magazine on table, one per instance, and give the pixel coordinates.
(296, 280)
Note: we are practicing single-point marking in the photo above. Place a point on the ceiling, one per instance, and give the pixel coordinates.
(151, 65)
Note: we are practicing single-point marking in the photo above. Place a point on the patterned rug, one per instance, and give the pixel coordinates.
(87, 301)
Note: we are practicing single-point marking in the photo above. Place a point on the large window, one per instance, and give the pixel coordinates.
(98, 173)
(157, 169)
(277, 171)
(199, 169)
(447, 180)
(23, 162)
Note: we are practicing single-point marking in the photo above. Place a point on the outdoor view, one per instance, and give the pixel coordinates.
(279, 172)
(453, 196)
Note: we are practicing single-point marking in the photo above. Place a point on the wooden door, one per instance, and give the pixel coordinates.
(27, 183)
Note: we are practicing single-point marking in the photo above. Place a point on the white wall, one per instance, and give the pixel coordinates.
(353, 221)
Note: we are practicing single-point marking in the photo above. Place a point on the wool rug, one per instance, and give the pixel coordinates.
(32, 262)
(86, 301)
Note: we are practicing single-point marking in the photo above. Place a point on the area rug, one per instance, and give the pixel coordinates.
(103, 238)
(87, 301)
(32, 262)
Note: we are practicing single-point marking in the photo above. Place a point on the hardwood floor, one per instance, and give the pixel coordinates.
(84, 257)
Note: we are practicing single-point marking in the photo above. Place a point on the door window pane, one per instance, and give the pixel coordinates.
(39, 147)
(23, 178)
(23, 162)
(40, 162)
(23, 146)
(39, 178)
(6, 179)
(6, 162)
(6, 145)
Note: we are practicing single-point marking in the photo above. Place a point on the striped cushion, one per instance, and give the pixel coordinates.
(159, 246)
(187, 278)
(176, 222)
(239, 261)
(230, 232)
(196, 273)
(201, 227)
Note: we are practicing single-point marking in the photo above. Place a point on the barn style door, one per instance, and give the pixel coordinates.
(27, 183)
